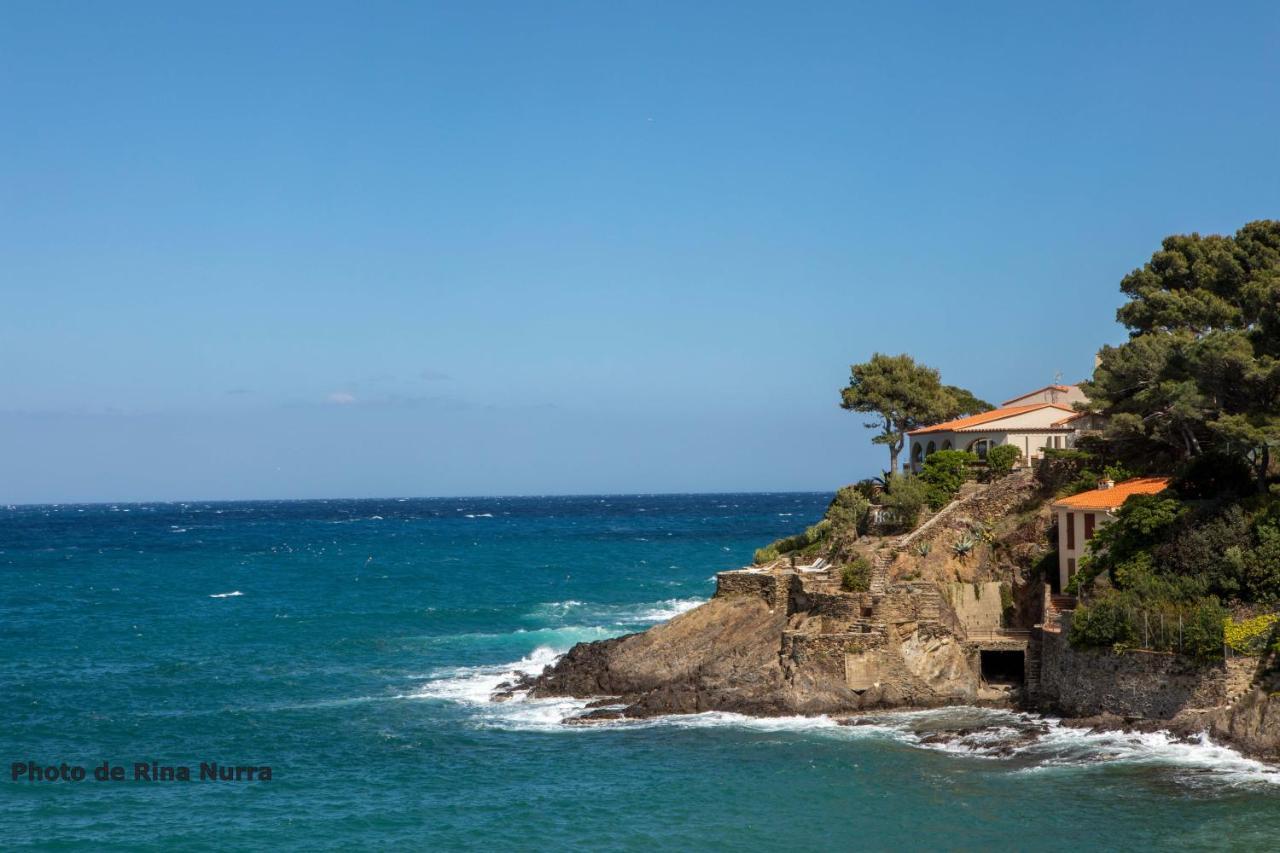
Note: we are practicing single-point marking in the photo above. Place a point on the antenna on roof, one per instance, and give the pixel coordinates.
(1057, 378)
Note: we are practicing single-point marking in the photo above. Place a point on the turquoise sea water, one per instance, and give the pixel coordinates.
(351, 646)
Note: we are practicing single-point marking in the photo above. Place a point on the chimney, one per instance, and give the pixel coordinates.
(1105, 483)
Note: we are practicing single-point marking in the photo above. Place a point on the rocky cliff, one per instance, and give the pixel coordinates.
(938, 624)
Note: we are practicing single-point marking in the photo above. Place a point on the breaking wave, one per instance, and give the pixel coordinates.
(1021, 742)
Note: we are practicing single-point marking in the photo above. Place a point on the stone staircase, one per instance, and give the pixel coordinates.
(880, 572)
(1034, 664)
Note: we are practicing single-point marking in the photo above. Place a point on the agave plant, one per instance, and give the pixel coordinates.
(922, 549)
(964, 545)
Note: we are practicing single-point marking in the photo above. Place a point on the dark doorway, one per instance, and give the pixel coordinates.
(1002, 667)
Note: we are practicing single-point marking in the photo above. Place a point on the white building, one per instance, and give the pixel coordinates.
(1065, 395)
(1080, 516)
(1031, 427)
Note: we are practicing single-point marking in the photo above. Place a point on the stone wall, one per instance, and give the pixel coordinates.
(774, 587)
(977, 605)
(1086, 682)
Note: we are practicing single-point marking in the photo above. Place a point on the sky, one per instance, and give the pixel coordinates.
(302, 250)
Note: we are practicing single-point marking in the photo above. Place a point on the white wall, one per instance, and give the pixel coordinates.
(1030, 443)
(1065, 554)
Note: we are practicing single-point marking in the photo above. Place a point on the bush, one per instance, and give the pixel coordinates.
(1203, 634)
(848, 510)
(855, 576)
(766, 555)
(1261, 567)
(1001, 459)
(1252, 636)
(945, 472)
(1103, 622)
(906, 496)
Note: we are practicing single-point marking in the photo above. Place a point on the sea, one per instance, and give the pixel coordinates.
(351, 646)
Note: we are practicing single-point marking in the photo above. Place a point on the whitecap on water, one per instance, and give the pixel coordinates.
(231, 594)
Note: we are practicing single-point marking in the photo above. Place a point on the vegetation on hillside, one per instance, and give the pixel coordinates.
(1194, 391)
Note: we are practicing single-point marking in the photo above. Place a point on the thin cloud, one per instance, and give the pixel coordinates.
(341, 398)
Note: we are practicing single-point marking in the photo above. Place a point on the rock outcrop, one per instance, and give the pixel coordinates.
(782, 642)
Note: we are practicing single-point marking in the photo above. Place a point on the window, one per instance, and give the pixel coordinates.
(928, 451)
(1071, 568)
(980, 447)
(1088, 526)
(1071, 531)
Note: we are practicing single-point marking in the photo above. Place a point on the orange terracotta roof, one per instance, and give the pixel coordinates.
(1076, 416)
(987, 417)
(1116, 495)
(1037, 391)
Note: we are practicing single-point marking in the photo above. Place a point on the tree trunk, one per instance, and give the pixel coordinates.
(1263, 463)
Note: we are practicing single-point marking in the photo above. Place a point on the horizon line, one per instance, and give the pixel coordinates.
(15, 506)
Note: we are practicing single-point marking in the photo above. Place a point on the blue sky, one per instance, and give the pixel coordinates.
(338, 249)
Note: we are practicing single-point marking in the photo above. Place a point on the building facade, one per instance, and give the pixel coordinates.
(1080, 516)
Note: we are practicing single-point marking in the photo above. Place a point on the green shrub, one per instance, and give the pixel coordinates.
(1103, 622)
(848, 510)
(855, 576)
(766, 555)
(945, 472)
(906, 496)
(1203, 633)
(1261, 565)
(1001, 459)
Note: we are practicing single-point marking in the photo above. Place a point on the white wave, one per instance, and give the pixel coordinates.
(480, 515)
(231, 594)
(1046, 744)
(474, 685)
(669, 609)
(618, 617)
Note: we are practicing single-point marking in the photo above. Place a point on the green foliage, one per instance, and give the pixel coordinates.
(964, 546)
(1006, 604)
(1198, 373)
(906, 496)
(855, 576)
(945, 472)
(1103, 622)
(1001, 459)
(848, 510)
(923, 548)
(1213, 475)
(766, 555)
(802, 544)
(1261, 564)
(1203, 633)
(1125, 620)
(903, 395)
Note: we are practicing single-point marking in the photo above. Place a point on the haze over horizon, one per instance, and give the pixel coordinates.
(398, 249)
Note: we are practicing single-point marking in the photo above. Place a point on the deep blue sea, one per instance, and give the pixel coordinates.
(351, 646)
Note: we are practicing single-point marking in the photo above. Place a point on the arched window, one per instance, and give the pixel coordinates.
(930, 449)
(917, 453)
(946, 445)
(979, 447)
